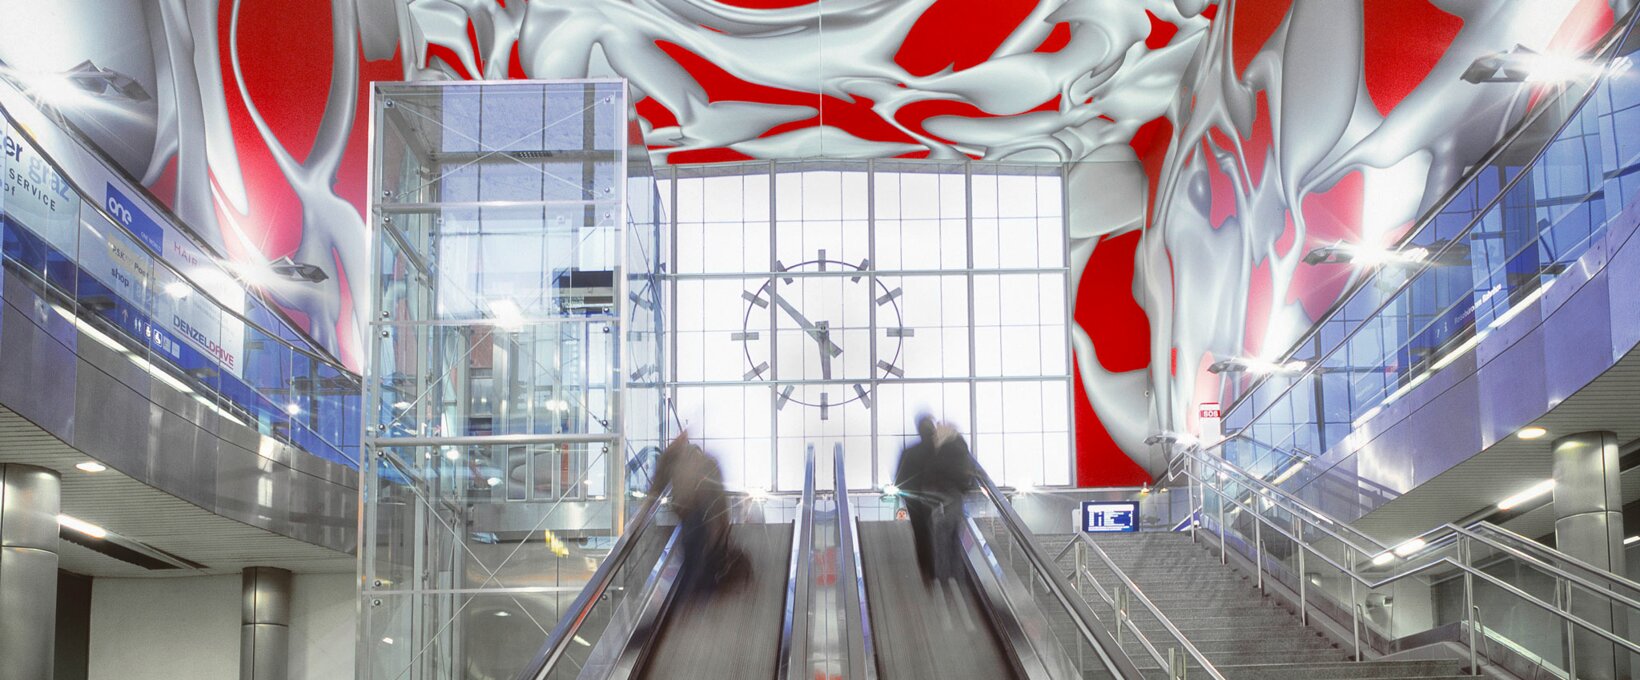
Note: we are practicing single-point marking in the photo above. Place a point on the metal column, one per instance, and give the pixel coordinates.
(264, 629)
(30, 498)
(1588, 509)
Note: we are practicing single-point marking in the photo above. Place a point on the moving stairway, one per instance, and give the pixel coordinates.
(833, 591)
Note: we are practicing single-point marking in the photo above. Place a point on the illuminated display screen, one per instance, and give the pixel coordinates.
(1107, 516)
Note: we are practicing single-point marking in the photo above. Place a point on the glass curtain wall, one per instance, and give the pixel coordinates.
(832, 301)
(513, 383)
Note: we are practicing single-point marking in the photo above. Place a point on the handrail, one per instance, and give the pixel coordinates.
(579, 610)
(1434, 537)
(852, 577)
(794, 627)
(1111, 654)
(1083, 539)
(72, 131)
(1613, 44)
(159, 259)
(1469, 572)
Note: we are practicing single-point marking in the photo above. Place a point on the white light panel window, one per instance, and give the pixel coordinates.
(830, 303)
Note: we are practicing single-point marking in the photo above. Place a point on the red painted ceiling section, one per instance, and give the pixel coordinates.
(960, 34)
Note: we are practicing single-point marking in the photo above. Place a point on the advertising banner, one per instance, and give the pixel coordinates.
(33, 194)
(148, 301)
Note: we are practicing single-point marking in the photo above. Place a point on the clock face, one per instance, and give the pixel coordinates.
(823, 314)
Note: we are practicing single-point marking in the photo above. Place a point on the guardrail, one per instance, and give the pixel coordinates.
(1110, 653)
(1449, 319)
(114, 289)
(1118, 601)
(1425, 554)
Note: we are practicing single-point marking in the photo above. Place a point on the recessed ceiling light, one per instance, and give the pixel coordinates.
(502, 614)
(1531, 432)
(1530, 493)
(82, 526)
(1410, 547)
(90, 466)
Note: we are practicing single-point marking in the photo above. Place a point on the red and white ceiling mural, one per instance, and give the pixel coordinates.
(1228, 134)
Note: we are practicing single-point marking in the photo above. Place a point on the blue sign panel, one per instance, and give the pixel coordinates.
(134, 219)
(1109, 516)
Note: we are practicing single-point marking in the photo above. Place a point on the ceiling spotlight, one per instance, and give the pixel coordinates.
(293, 409)
(1363, 254)
(1521, 64)
(292, 270)
(109, 83)
(507, 313)
(90, 466)
(387, 640)
(502, 614)
(891, 489)
(1530, 493)
(1531, 432)
(1256, 366)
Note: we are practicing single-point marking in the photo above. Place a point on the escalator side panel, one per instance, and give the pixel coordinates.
(921, 629)
(733, 631)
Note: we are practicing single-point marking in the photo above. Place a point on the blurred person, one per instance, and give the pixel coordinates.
(932, 476)
(709, 556)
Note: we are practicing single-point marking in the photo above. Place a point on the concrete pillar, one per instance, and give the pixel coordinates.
(30, 498)
(264, 630)
(1588, 506)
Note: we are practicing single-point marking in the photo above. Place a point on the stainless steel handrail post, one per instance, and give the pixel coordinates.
(1571, 631)
(1469, 602)
(794, 629)
(1355, 605)
(862, 662)
(1258, 544)
(1121, 605)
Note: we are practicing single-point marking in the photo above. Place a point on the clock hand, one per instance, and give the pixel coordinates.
(824, 338)
(807, 326)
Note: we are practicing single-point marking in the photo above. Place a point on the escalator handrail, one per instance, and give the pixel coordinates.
(1110, 653)
(864, 665)
(563, 633)
(794, 630)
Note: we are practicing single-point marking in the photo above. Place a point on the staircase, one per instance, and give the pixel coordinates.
(1244, 634)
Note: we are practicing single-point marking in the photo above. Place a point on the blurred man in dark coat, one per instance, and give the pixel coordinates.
(932, 476)
(709, 557)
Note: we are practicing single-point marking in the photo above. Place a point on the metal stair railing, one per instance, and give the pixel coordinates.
(1118, 600)
(1423, 554)
(1111, 655)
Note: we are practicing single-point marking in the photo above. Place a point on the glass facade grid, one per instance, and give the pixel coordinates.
(835, 301)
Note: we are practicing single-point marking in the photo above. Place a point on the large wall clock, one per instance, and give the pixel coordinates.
(828, 307)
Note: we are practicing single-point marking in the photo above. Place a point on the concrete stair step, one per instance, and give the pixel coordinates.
(1344, 670)
(1268, 645)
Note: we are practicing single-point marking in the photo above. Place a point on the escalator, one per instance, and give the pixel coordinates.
(833, 591)
(925, 629)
